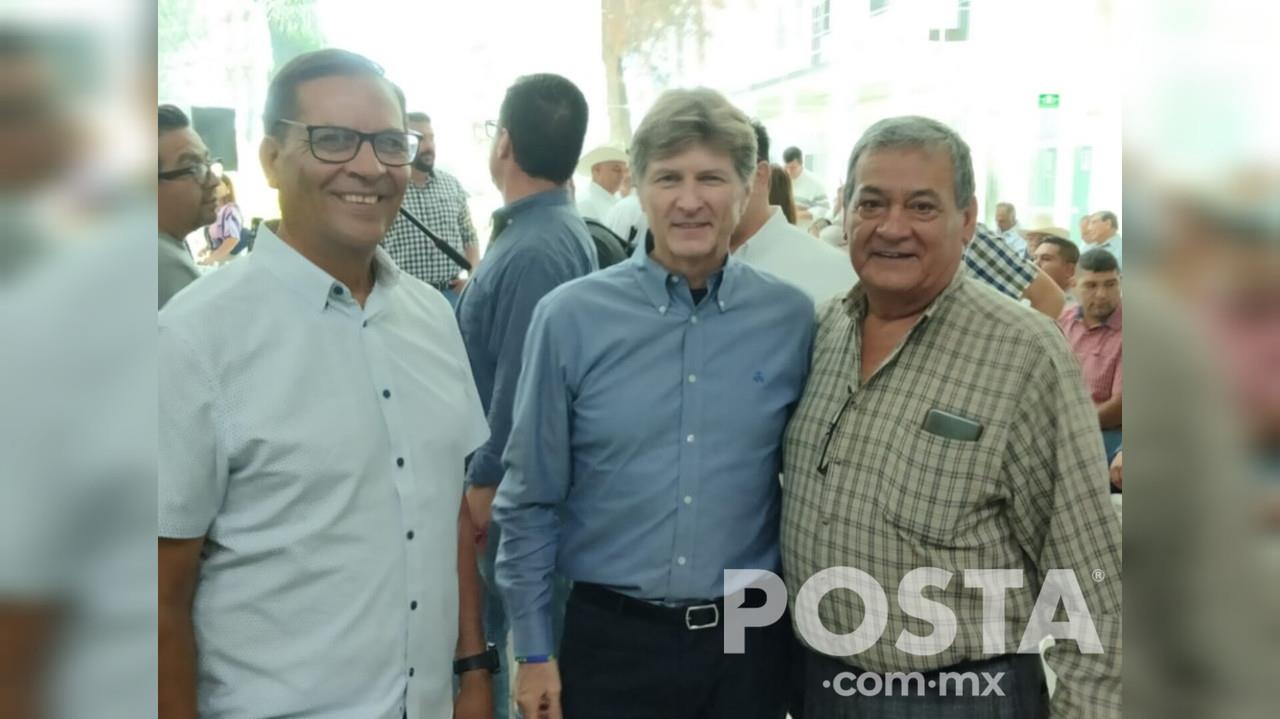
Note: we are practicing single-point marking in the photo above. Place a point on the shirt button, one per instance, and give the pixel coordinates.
(662, 310)
(409, 535)
(386, 393)
(413, 605)
(693, 320)
(410, 671)
(721, 304)
(689, 439)
(688, 500)
(680, 561)
(365, 323)
(399, 461)
(693, 378)
(337, 291)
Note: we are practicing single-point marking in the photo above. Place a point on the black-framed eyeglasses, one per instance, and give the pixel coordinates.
(491, 128)
(199, 172)
(333, 144)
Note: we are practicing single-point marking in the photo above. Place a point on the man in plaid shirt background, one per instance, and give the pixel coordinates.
(437, 199)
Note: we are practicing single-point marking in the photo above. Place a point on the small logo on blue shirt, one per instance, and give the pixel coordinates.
(758, 377)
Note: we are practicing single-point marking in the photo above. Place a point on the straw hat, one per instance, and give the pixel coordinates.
(1043, 225)
(597, 155)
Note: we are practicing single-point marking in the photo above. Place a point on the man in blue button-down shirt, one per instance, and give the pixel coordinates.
(643, 461)
(539, 241)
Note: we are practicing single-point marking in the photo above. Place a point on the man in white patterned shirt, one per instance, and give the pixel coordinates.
(437, 199)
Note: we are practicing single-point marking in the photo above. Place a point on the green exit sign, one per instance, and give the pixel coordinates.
(1049, 100)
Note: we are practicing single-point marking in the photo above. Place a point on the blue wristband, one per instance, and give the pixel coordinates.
(535, 659)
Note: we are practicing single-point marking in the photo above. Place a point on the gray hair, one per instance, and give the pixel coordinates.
(1109, 217)
(681, 119)
(913, 131)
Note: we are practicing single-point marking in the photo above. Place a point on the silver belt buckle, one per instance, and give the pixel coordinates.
(688, 617)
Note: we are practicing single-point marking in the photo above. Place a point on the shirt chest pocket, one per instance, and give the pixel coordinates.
(941, 491)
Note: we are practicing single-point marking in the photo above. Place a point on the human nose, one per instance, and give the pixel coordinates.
(366, 161)
(894, 224)
(688, 199)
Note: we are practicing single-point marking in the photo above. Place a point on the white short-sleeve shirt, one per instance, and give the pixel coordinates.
(319, 448)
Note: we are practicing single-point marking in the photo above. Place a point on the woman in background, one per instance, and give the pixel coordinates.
(780, 193)
(224, 233)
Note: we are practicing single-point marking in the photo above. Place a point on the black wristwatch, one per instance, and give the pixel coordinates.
(487, 660)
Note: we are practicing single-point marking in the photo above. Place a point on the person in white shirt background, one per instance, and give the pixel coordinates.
(607, 166)
(811, 196)
(1010, 232)
(765, 240)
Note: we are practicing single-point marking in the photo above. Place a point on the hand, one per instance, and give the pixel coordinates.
(480, 502)
(457, 284)
(475, 696)
(1117, 471)
(538, 690)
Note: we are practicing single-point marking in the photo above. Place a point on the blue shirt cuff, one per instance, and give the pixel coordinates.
(532, 635)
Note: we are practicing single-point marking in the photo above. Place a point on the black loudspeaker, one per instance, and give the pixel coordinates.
(217, 127)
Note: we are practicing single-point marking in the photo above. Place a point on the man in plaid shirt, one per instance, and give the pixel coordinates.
(437, 199)
(946, 451)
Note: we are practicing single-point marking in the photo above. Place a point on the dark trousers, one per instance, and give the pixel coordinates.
(1025, 694)
(616, 664)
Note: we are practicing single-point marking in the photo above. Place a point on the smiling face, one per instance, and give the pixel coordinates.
(692, 200)
(344, 206)
(906, 234)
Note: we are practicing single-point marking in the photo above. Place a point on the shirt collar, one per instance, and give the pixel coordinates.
(313, 284)
(599, 193)
(430, 178)
(1109, 242)
(505, 215)
(166, 237)
(655, 280)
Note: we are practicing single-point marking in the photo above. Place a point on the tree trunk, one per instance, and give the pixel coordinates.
(616, 95)
(613, 35)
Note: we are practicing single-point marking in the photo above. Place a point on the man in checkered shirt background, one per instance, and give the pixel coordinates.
(437, 199)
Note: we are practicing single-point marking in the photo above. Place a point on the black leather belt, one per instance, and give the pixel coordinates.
(703, 614)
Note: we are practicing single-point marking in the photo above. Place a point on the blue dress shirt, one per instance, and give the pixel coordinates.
(539, 242)
(646, 446)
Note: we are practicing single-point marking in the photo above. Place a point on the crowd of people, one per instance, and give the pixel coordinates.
(387, 463)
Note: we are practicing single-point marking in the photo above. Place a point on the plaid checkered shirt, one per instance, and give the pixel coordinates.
(1029, 494)
(991, 260)
(441, 205)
